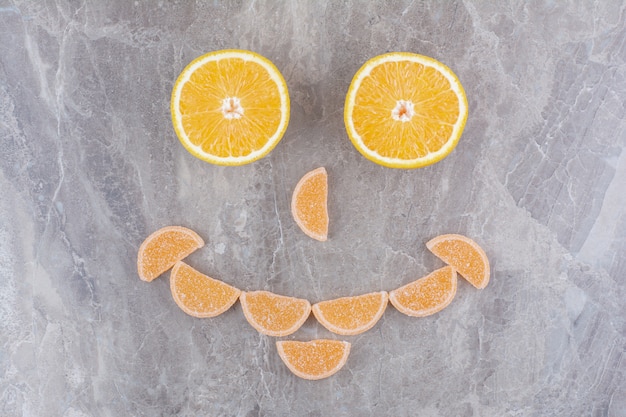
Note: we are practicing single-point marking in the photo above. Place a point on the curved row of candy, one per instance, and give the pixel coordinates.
(276, 315)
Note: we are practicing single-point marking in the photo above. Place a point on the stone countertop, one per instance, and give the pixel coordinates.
(90, 166)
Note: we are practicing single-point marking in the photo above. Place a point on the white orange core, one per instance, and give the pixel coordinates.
(404, 111)
(231, 108)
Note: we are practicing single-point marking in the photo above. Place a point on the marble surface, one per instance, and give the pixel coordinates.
(90, 166)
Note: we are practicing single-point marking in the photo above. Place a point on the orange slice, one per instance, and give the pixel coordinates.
(309, 204)
(427, 295)
(230, 107)
(405, 110)
(163, 248)
(273, 314)
(199, 295)
(316, 359)
(351, 315)
(464, 255)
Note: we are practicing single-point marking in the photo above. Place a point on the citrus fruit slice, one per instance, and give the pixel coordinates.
(426, 295)
(405, 110)
(199, 295)
(309, 204)
(230, 107)
(273, 314)
(351, 315)
(316, 359)
(163, 248)
(464, 255)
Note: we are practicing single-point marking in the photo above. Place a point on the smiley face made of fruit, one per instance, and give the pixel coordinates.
(231, 107)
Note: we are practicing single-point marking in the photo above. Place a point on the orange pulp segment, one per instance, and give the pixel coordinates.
(199, 295)
(316, 359)
(163, 248)
(405, 110)
(464, 255)
(351, 315)
(230, 107)
(309, 204)
(273, 314)
(426, 295)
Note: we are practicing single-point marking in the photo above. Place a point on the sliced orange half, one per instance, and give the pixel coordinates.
(199, 295)
(273, 314)
(230, 107)
(316, 359)
(427, 295)
(163, 248)
(464, 255)
(351, 315)
(309, 204)
(405, 110)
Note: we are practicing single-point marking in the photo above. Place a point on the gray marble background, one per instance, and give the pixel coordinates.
(90, 166)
